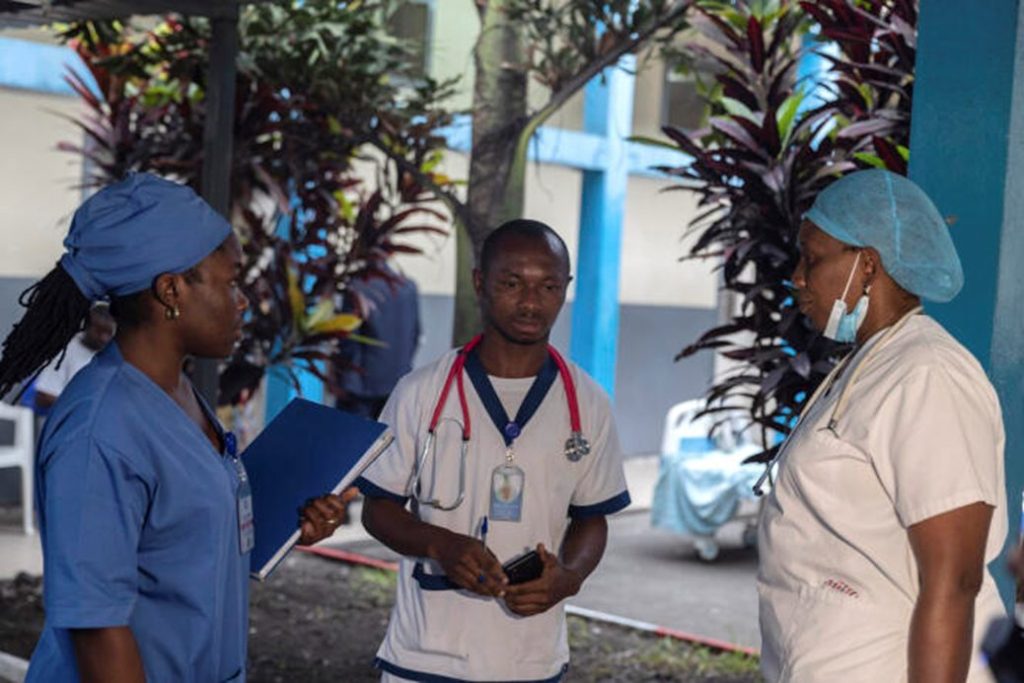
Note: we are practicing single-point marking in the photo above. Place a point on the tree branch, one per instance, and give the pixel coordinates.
(456, 205)
(574, 84)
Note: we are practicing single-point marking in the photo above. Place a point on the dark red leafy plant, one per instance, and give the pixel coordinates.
(769, 148)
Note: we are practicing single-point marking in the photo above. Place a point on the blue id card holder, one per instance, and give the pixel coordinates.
(243, 498)
(507, 484)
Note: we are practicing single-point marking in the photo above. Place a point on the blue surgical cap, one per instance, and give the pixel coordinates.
(888, 212)
(130, 232)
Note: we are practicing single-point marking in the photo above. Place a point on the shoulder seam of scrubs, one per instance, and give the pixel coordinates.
(425, 677)
(617, 502)
(371, 490)
(97, 404)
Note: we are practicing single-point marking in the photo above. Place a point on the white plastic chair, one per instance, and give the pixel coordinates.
(20, 454)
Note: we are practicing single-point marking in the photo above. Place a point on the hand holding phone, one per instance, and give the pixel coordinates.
(527, 567)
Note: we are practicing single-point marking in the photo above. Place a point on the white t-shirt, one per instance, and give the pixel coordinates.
(920, 433)
(454, 633)
(52, 379)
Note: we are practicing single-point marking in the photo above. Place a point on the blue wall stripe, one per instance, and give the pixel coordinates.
(576, 149)
(26, 65)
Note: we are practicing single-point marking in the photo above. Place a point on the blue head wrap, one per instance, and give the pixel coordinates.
(888, 212)
(130, 232)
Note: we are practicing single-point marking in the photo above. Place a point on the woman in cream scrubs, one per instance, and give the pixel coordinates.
(888, 500)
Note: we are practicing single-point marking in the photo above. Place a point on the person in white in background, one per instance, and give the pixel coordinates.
(80, 350)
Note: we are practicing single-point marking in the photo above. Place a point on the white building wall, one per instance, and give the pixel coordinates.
(38, 183)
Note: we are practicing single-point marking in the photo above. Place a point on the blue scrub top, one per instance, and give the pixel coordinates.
(139, 525)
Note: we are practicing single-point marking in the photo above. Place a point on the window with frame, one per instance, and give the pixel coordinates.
(682, 106)
(411, 24)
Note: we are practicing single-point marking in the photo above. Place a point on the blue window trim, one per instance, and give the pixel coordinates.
(607, 507)
(575, 149)
(38, 67)
(424, 677)
(371, 490)
(28, 65)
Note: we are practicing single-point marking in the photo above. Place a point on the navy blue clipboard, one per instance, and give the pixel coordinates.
(306, 451)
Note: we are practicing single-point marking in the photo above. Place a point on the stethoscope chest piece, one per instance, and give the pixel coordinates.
(576, 446)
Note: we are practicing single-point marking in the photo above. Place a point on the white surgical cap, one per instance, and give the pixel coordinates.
(891, 214)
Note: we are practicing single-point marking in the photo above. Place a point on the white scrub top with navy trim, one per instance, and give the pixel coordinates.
(920, 434)
(440, 634)
(139, 527)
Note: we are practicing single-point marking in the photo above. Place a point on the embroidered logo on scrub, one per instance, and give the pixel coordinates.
(841, 586)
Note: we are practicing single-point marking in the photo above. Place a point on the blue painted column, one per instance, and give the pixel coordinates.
(967, 152)
(608, 112)
(279, 385)
(281, 390)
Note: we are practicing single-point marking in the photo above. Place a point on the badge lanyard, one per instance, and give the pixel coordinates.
(243, 496)
(508, 479)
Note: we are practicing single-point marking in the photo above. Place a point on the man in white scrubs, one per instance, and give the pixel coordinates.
(889, 499)
(456, 617)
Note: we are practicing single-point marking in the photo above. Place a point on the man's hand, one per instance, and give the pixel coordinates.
(470, 565)
(555, 584)
(323, 515)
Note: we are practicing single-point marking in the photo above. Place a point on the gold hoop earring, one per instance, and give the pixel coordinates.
(172, 313)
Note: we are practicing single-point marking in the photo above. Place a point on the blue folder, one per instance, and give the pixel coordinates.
(308, 450)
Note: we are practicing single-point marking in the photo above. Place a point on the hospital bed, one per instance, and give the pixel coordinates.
(702, 481)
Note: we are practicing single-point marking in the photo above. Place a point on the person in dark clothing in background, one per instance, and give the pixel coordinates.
(390, 308)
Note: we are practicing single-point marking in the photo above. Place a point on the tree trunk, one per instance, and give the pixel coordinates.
(496, 175)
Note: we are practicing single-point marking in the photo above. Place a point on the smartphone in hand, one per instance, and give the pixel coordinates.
(524, 568)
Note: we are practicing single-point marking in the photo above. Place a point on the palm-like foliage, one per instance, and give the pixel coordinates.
(763, 158)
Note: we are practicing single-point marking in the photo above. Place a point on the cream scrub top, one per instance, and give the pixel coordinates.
(919, 433)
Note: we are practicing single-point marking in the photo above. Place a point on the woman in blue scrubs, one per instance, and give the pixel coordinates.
(145, 541)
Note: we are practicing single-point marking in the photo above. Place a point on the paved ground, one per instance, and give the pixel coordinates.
(656, 576)
(648, 575)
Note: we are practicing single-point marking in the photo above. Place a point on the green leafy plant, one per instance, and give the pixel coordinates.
(317, 89)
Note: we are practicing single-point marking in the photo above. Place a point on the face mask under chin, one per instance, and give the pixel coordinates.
(842, 326)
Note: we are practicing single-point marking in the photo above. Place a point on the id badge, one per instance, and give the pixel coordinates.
(507, 482)
(246, 528)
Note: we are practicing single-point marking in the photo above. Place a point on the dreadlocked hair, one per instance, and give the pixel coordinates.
(55, 310)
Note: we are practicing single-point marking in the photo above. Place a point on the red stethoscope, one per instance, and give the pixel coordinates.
(576, 446)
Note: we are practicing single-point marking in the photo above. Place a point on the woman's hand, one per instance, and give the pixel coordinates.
(950, 553)
(322, 516)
